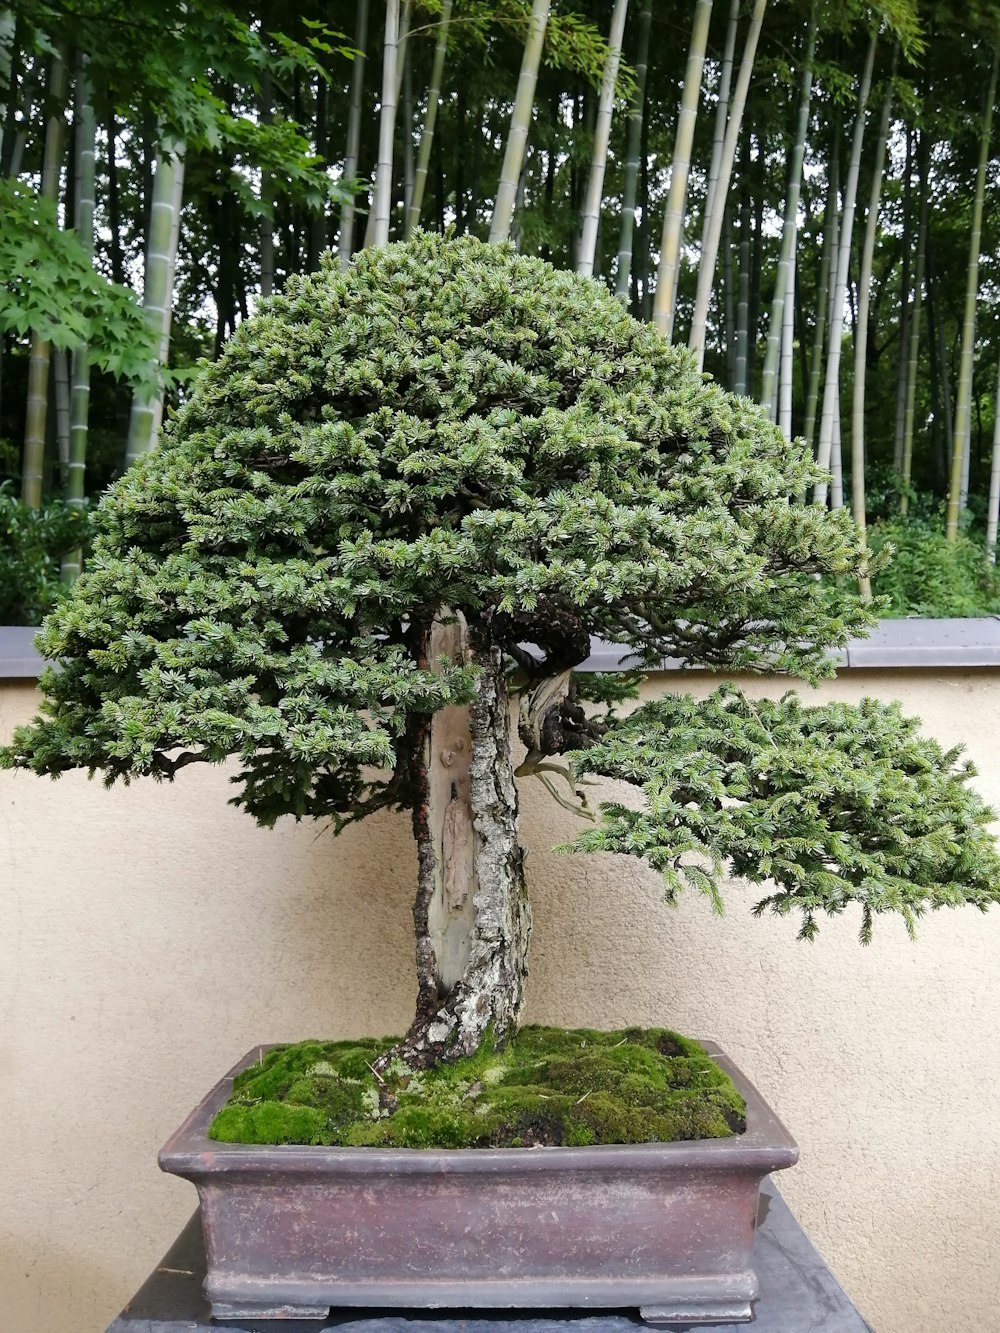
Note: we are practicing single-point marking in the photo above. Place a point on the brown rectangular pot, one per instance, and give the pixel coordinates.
(668, 1227)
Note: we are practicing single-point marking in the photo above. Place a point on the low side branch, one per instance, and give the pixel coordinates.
(832, 805)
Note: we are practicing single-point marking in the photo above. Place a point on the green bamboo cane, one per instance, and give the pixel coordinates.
(8, 29)
(858, 504)
(161, 254)
(838, 295)
(906, 463)
(345, 242)
(786, 365)
(382, 196)
(673, 218)
(430, 120)
(630, 182)
(827, 263)
(33, 458)
(721, 111)
(266, 111)
(789, 230)
(958, 489)
(602, 136)
(520, 123)
(993, 504)
(709, 255)
(902, 360)
(743, 281)
(80, 366)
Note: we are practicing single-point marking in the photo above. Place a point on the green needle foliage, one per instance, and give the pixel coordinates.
(450, 424)
(834, 805)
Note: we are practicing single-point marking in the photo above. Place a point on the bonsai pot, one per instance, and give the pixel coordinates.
(668, 1227)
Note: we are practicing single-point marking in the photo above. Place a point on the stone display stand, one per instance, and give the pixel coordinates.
(798, 1292)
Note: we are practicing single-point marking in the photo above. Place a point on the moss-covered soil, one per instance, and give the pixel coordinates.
(548, 1086)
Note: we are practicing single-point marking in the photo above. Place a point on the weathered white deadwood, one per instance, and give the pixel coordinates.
(471, 913)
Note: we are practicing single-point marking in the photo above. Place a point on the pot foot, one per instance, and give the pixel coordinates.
(684, 1314)
(263, 1310)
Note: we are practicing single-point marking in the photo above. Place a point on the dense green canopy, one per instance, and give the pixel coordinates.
(451, 425)
(444, 424)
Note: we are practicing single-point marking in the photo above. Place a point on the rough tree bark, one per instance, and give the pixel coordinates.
(471, 912)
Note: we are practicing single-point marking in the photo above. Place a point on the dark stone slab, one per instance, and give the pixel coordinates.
(798, 1293)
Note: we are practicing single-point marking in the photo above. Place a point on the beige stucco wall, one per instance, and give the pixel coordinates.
(150, 935)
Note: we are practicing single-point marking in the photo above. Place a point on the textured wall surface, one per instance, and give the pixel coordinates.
(150, 935)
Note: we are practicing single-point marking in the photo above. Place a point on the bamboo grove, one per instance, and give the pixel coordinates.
(805, 194)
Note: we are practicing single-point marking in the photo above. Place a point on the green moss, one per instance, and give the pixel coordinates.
(548, 1086)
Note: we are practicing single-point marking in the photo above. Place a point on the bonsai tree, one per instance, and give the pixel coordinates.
(412, 491)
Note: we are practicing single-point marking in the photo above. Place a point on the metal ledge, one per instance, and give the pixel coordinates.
(915, 644)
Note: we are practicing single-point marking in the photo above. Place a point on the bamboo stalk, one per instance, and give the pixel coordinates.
(60, 385)
(709, 255)
(906, 462)
(959, 487)
(265, 111)
(902, 363)
(430, 120)
(345, 243)
(789, 230)
(33, 458)
(630, 182)
(406, 109)
(520, 123)
(838, 295)
(786, 374)
(993, 504)
(743, 281)
(721, 110)
(161, 254)
(8, 30)
(602, 135)
(858, 505)
(836, 462)
(382, 195)
(728, 281)
(824, 281)
(673, 218)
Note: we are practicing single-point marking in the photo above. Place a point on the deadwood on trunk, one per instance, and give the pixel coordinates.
(471, 912)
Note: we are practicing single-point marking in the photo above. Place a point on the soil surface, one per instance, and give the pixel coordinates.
(548, 1087)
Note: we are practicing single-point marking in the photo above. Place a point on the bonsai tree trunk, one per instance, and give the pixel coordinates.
(471, 912)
